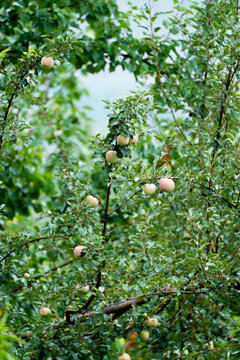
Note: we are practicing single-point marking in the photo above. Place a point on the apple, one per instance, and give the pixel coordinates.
(85, 289)
(134, 140)
(166, 184)
(26, 275)
(111, 156)
(78, 249)
(122, 140)
(47, 62)
(151, 322)
(91, 200)
(124, 356)
(149, 189)
(144, 335)
(121, 341)
(45, 311)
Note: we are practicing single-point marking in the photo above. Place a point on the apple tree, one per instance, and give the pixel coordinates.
(124, 245)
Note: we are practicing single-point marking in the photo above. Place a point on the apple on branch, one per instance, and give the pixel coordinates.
(134, 140)
(122, 140)
(166, 184)
(111, 156)
(124, 356)
(91, 200)
(26, 275)
(149, 189)
(47, 62)
(44, 311)
(151, 322)
(78, 250)
(144, 335)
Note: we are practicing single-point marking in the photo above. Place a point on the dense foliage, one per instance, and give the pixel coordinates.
(171, 256)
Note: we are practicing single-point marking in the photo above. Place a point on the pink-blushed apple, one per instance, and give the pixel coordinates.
(47, 62)
(111, 156)
(78, 250)
(124, 356)
(122, 140)
(85, 289)
(144, 335)
(45, 311)
(91, 200)
(166, 184)
(26, 275)
(134, 140)
(149, 189)
(151, 322)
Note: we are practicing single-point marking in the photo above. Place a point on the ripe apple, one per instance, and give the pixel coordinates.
(151, 322)
(78, 249)
(47, 62)
(134, 140)
(144, 335)
(26, 275)
(111, 156)
(166, 184)
(91, 200)
(122, 140)
(85, 289)
(124, 356)
(149, 189)
(45, 311)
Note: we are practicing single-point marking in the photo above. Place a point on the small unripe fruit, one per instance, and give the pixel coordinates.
(124, 357)
(122, 140)
(111, 156)
(26, 275)
(152, 322)
(166, 184)
(144, 335)
(47, 62)
(78, 249)
(149, 189)
(45, 311)
(121, 341)
(134, 140)
(85, 288)
(91, 200)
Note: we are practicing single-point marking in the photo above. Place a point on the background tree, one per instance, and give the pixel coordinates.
(114, 265)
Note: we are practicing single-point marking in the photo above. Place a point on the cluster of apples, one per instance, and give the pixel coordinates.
(151, 322)
(164, 184)
(111, 155)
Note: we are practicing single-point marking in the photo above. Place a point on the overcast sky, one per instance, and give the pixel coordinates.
(111, 86)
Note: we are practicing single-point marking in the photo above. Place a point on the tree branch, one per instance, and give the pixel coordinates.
(10, 102)
(68, 313)
(209, 350)
(125, 202)
(32, 241)
(160, 78)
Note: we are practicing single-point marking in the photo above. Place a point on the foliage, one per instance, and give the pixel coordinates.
(171, 255)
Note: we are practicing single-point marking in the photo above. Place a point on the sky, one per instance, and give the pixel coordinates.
(112, 86)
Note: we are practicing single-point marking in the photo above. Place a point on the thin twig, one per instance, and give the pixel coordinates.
(144, 179)
(209, 350)
(32, 241)
(159, 75)
(123, 226)
(125, 202)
